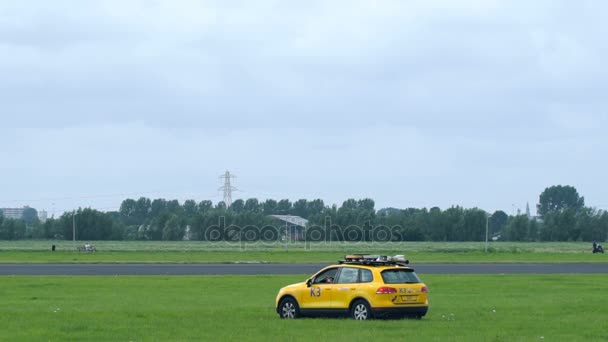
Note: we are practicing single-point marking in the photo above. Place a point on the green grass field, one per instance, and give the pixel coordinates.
(128, 308)
(200, 252)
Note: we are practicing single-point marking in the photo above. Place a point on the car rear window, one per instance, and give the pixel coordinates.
(400, 276)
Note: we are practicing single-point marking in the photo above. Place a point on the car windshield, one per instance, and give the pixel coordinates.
(400, 276)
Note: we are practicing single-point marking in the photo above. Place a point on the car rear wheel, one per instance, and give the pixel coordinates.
(360, 310)
(288, 309)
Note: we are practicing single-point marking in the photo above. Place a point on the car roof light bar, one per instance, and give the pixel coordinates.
(374, 259)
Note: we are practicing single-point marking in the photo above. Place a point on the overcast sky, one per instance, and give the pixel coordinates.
(476, 103)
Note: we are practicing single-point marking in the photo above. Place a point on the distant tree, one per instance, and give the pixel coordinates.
(559, 226)
(300, 208)
(252, 205)
(189, 208)
(347, 214)
(238, 206)
(173, 229)
(412, 233)
(155, 228)
(11, 229)
(90, 224)
(366, 204)
(592, 225)
(559, 198)
(39, 231)
(205, 206)
(533, 230)
(566, 218)
(360, 213)
(119, 232)
(173, 207)
(143, 206)
(127, 211)
(322, 213)
(19, 230)
(388, 212)
(221, 205)
(315, 207)
(600, 230)
(270, 207)
(48, 230)
(134, 212)
(454, 224)
(474, 224)
(498, 221)
(517, 228)
(283, 207)
(350, 203)
(158, 207)
(437, 225)
(114, 215)
(130, 233)
(30, 216)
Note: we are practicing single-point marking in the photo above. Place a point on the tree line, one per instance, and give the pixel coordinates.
(562, 217)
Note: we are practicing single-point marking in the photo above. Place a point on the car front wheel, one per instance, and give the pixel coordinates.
(288, 309)
(360, 310)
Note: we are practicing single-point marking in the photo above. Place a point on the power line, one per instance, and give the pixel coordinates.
(86, 197)
(123, 195)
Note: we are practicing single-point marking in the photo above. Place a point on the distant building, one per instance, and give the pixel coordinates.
(13, 213)
(294, 226)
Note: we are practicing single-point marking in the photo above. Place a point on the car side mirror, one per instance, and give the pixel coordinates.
(308, 282)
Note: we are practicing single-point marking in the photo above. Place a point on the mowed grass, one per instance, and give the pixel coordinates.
(293, 252)
(561, 307)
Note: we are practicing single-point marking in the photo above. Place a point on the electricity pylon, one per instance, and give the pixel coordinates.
(227, 188)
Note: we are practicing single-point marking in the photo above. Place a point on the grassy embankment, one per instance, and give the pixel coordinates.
(201, 252)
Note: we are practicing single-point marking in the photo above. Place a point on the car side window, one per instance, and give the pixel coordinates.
(348, 275)
(366, 276)
(326, 277)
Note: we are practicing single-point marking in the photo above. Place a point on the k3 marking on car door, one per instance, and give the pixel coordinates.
(352, 282)
(320, 291)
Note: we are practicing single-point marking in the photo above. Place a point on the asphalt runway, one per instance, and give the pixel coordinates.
(305, 269)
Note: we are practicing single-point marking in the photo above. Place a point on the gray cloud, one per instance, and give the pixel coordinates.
(443, 97)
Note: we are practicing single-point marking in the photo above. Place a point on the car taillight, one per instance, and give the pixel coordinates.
(386, 290)
(424, 289)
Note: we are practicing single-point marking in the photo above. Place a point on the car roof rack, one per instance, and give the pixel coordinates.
(375, 260)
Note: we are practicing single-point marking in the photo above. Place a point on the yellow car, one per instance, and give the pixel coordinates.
(360, 286)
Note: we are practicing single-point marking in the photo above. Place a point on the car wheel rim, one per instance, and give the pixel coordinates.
(360, 312)
(289, 310)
